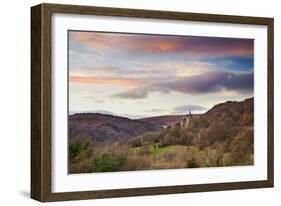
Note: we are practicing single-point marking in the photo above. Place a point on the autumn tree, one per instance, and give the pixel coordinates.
(247, 119)
(242, 147)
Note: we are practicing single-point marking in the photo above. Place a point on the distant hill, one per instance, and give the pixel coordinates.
(163, 120)
(104, 127)
(220, 123)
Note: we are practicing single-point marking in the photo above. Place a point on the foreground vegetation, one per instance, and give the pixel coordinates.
(85, 157)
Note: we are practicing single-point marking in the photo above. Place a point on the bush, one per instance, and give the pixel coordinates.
(171, 135)
(212, 156)
(108, 163)
(80, 156)
(148, 137)
(77, 147)
(192, 163)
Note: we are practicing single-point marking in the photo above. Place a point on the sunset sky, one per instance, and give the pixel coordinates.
(137, 75)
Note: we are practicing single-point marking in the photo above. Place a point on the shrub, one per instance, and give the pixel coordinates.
(148, 137)
(192, 163)
(75, 149)
(213, 156)
(108, 163)
(80, 156)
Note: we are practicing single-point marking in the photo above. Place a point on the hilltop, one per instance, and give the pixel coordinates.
(104, 127)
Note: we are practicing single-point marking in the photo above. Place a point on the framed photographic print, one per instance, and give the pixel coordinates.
(132, 102)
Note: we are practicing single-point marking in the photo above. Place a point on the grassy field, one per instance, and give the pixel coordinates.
(180, 156)
(154, 152)
(146, 153)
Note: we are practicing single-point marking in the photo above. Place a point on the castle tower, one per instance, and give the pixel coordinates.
(185, 119)
(189, 114)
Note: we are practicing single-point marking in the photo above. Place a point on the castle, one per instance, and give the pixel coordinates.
(185, 120)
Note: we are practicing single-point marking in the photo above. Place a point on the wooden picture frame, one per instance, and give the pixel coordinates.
(41, 97)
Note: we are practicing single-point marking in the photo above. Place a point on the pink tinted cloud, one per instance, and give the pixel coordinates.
(106, 81)
(196, 46)
(92, 39)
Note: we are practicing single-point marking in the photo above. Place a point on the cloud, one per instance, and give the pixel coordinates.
(147, 69)
(94, 70)
(245, 64)
(186, 108)
(141, 43)
(139, 93)
(156, 110)
(105, 80)
(99, 101)
(96, 39)
(208, 82)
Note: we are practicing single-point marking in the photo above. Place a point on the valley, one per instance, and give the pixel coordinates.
(223, 136)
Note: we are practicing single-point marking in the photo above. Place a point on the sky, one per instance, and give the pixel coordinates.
(145, 75)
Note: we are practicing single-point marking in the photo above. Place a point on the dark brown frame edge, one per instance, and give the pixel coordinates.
(41, 101)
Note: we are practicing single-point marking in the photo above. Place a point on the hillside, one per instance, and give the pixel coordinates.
(232, 107)
(103, 127)
(221, 124)
(163, 120)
